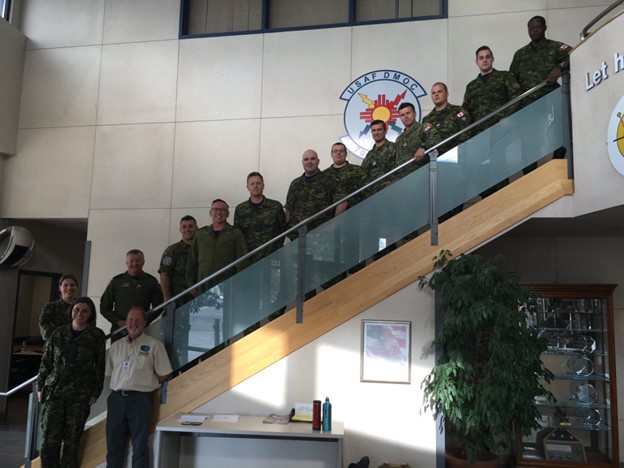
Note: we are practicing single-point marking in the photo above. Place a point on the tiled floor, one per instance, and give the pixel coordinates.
(13, 432)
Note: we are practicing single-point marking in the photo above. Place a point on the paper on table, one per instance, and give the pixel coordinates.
(230, 418)
(192, 418)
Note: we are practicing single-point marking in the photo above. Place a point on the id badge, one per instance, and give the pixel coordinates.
(126, 366)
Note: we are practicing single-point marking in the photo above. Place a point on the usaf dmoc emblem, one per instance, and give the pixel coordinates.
(377, 95)
(615, 137)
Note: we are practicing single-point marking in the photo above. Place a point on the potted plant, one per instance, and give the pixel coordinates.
(488, 375)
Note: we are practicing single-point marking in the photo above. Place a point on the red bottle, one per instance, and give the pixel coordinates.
(316, 415)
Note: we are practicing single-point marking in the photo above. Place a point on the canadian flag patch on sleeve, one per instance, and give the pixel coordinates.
(564, 47)
(427, 128)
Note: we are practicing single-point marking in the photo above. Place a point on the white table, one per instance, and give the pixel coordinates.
(248, 442)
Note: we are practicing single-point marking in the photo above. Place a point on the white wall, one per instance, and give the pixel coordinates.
(12, 59)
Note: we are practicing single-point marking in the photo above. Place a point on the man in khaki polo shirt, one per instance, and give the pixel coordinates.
(137, 364)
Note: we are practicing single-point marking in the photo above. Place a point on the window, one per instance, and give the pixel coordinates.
(218, 17)
(5, 9)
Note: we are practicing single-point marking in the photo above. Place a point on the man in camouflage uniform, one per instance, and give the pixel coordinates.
(348, 177)
(380, 158)
(173, 281)
(447, 119)
(309, 193)
(539, 60)
(414, 140)
(261, 219)
(70, 380)
(57, 313)
(489, 91)
(134, 287)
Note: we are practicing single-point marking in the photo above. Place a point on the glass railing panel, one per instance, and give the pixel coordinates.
(499, 152)
(264, 289)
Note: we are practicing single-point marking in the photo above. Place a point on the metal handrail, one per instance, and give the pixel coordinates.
(605, 12)
(19, 387)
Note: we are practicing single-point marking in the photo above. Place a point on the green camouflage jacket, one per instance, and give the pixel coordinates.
(531, 65)
(53, 315)
(73, 365)
(488, 92)
(307, 196)
(448, 122)
(173, 263)
(348, 179)
(260, 223)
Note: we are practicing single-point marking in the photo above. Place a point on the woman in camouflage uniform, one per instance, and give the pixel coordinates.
(70, 380)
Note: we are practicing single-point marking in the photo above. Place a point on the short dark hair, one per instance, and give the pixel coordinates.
(85, 300)
(341, 144)
(255, 174)
(134, 252)
(68, 276)
(407, 104)
(483, 47)
(441, 84)
(219, 200)
(188, 218)
(378, 122)
(541, 19)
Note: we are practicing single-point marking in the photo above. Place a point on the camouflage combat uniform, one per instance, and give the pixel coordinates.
(379, 161)
(212, 251)
(448, 122)
(53, 315)
(71, 373)
(488, 92)
(531, 65)
(419, 136)
(307, 195)
(348, 179)
(125, 291)
(173, 263)
(260, 223)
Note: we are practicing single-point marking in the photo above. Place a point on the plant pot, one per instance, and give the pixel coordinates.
(486, 460)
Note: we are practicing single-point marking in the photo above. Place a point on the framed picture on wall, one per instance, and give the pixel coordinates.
(386, 351)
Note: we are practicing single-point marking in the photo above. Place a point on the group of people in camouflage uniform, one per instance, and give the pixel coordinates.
(72, 368)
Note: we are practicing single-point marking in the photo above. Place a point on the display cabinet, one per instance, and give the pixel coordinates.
(579, 428)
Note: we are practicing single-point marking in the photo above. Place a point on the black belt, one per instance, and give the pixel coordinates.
(128, 392)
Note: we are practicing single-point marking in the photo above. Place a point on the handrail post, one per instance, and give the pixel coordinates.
(301, 273)
(433, 194)
(32, 423)
(567, 122)
(169, 316)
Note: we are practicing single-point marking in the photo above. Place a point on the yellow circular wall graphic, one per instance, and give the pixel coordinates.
(615, 137)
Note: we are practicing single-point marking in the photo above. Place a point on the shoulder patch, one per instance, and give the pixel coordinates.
(461, 114)
(166, 261)
(564, 46)
(427, 127)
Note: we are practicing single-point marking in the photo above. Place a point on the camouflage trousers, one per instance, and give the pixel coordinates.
(63, 420)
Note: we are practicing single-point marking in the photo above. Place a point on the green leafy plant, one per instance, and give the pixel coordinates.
(489, 372)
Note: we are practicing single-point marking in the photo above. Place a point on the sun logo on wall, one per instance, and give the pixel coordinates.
(377, 95)
(615, 137)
